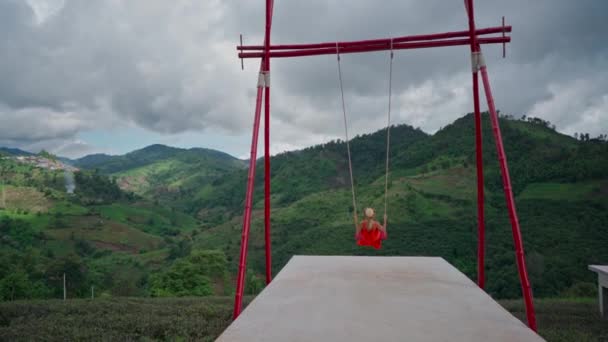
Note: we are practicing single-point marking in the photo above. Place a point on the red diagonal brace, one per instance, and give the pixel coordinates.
(504, 170)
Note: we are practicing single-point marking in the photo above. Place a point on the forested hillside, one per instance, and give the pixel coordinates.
(560, 184)
(106, 241)
(164, 221)
(167, 175)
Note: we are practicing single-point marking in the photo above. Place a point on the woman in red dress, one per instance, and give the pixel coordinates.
(370, 232)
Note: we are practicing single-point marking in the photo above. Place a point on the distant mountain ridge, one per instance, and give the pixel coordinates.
(165, 174)
(150, 154)
(15, 151)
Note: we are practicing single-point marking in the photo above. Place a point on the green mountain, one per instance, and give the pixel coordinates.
(98, 236)
(164, 221)
(14, 152)
(149, 155)
(560, 185)
(167, 175)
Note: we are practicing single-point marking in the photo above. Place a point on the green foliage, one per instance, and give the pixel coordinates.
(150, 155)
(17, 232)
(564, 320)
(76, 276)
(204, 319)
(122, 243)
(149, 218)
(253, 284)
(560, 186)
(116, 319)
(47, 155)
(83, 247)
(190, 276)
(579, 290)
(169, 176)
(579, 191)
(17, 285)
(93, 187)
(92, 242)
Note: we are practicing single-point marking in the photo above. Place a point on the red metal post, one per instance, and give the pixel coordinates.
(269, 4)
(504, 170)
(506, 180)
(478, 151)
(375, 47)
(240, 282)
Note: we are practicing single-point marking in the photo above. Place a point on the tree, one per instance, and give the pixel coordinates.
(14, 286)
(253, 283)
(45, 154)
(191, 276)
(83, 247)
(182, 279)
(179, 250)
(75, 271)
(18, 285)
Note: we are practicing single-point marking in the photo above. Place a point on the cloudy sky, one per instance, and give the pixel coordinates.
(86, 76)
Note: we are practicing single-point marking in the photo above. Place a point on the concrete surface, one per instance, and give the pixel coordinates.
(602, 287)
(348, 298)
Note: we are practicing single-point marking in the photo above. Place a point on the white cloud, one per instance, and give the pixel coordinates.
(170, 67)
(568, 98)
(45, 9)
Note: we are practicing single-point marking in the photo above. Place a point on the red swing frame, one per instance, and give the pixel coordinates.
(470, 37)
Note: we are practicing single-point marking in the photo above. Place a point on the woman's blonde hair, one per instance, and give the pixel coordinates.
(369, 212)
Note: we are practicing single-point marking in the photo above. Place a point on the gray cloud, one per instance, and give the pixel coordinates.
(171, 67)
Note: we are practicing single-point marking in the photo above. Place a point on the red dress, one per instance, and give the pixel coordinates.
(370, 237)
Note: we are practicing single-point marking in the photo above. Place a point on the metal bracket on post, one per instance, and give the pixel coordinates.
(266, 78)
(477, 61)
(261, 80)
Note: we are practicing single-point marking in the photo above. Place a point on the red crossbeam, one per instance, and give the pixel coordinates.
(383, 41)
(376, 47)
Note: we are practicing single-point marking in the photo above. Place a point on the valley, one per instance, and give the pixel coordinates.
(136, 218)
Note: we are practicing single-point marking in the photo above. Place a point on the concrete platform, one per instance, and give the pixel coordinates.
(335, 298)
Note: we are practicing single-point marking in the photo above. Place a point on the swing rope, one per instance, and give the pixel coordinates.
(350, 164)
(388, 135)
(388, 130)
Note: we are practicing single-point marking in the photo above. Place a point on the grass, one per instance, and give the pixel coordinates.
(149, 218)
(203, 319)
(562, 191)
(565, 320)
(138, 179)
(541, 132)
(455, 182)
(107, 234)
(68, 208)
(38, 222)
(154, 259)
(25, 198)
